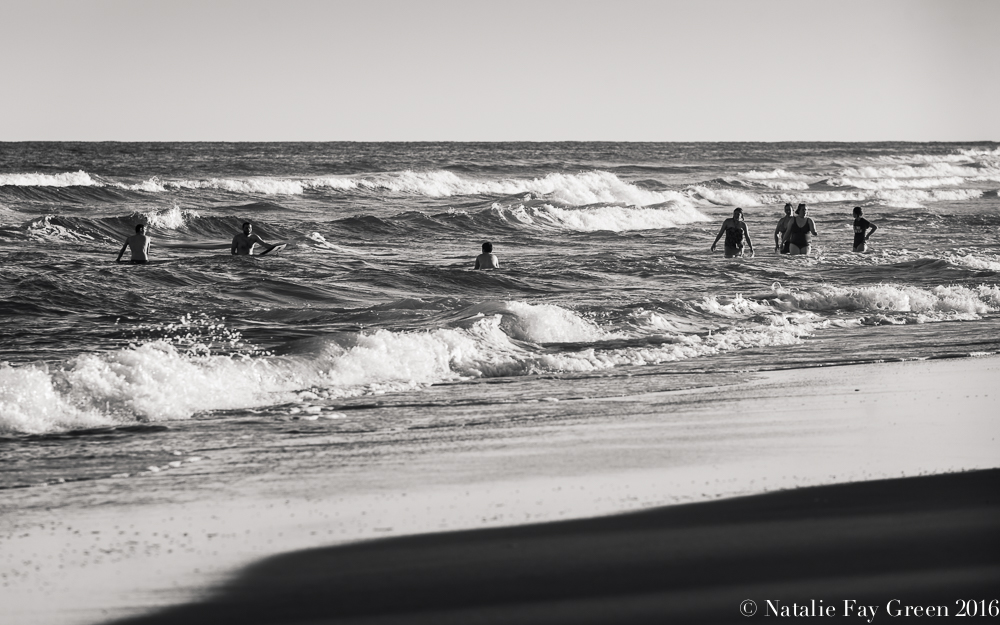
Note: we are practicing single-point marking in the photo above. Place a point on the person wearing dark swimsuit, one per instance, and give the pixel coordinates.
(779, 247)
(800, 232)
(861, 225)
(735, 230)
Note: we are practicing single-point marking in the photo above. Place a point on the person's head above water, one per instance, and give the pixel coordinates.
(788, 208)
(487, 248)
(140, 228)
(858, 212)
(738, 214)
(801, 210)
(247, 227)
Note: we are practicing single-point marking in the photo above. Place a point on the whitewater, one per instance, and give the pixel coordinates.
(606, 274)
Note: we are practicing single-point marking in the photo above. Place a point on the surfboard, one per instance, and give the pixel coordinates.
(277, 248)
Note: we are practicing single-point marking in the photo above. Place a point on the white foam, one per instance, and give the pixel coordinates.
(929, 170)
(915, 198)
(592, 187)
(988, 262)
(67, 179)
(30, 404)
(261, 186)
(610, 218)
(737, 306)
(753, 174)
(547, 323)
(177, 378)
(958, 156)
(941, 302)
(895, 183)
(733, 197)
(784, 185)
(171, 218)
(42, 229)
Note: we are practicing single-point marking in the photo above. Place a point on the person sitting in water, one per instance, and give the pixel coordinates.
(779, 247)
(139, 244)
(799, 233)
(735, 230)
(487, 260)
(860, 226)
(244, 242)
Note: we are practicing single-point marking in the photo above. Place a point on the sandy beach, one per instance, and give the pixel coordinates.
(104, 549)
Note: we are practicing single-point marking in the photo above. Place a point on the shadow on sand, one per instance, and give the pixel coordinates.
(926, 541)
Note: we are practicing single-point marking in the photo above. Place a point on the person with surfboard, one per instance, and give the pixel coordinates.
(244, 242)
(487, 260)
(139, 243)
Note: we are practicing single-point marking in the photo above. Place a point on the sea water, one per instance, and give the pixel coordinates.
(372, 319)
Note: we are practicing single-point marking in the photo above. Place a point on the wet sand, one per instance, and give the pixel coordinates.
(105, 549)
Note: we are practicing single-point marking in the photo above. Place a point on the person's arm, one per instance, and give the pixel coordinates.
(777, 235)
(746, 232)
(145, 250)
(477, 263)
(255, 238)
(122, 251)
(873, 229)
(812, 227)
(232, 250)
(722, 230)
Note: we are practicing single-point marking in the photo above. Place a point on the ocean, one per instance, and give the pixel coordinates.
(372, 320)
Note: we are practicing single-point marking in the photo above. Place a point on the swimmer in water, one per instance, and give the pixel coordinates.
(244, 242)
(799, 233)
(860, 226)
(779, 247)
(139, 244)
(735, 230)
(487, 260)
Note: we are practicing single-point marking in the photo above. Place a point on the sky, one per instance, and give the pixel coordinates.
(500, 70)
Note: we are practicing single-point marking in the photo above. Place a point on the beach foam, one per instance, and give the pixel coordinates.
(609, 218)
(142, 382)
(579, 189)
(938, 303)
(30, 404)
(171, 218)
(67, 179)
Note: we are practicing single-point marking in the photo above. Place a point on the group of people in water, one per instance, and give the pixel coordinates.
(243, 244)
(793, 234)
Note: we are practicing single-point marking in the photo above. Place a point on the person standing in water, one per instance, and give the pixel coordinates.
(244, 242)
(735, 230)
(487, 260)
(861, 225)
(779, 247)
(139, 243)
(799, 233)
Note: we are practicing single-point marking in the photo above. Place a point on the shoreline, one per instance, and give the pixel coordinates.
(118, 548)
